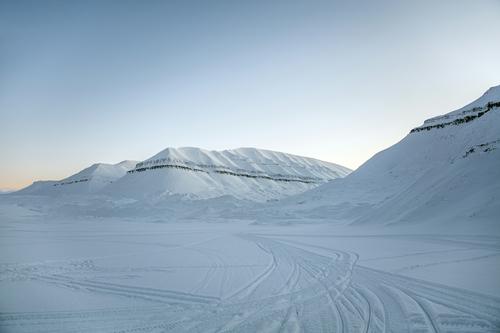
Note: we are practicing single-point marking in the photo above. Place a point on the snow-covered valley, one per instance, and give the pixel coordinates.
(116, 275)
(250, 240)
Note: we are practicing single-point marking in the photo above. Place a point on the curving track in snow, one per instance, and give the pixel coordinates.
(303, 288)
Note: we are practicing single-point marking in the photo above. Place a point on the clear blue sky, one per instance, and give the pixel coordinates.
(103, 81)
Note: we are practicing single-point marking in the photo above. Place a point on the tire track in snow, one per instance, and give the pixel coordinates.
(304, 287)
(160, 295)
(248, 289)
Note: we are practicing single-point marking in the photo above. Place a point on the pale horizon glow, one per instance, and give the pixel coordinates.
(105, 81)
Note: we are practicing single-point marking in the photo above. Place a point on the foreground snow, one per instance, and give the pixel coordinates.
(128, 275)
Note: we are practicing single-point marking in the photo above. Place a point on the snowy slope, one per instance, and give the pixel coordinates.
(244, 173)
(89, 180)
(446, 171)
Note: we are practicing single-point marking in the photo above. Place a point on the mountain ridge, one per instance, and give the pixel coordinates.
(245, 173)
(441, 175)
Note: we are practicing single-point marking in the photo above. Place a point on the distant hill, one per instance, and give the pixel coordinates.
(89, 180)
(244, 173)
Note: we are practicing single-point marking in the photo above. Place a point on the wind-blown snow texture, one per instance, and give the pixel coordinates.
(411, 241)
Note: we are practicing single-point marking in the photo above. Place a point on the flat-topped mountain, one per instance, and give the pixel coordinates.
(244, 173)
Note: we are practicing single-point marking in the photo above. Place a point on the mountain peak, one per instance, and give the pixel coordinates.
(443, 172)
(244, 173)
(491, 95)
(488, 101)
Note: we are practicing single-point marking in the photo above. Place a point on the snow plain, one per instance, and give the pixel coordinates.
(222, 275)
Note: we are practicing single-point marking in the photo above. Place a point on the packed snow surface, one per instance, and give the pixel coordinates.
(130, 275)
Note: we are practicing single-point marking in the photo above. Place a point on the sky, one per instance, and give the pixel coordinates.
(103, 81)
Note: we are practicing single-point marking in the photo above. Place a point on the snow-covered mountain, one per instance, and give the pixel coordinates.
(89, 180)
(244, 173)
(445, 171)
(194, 173)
